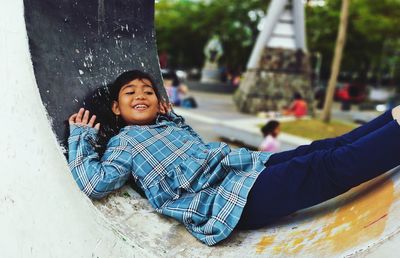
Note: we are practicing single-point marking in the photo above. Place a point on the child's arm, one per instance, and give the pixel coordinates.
(95, 177)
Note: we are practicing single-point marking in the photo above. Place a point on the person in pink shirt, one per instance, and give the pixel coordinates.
(270, 132)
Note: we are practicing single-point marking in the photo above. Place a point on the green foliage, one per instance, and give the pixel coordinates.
(183, 28)
(373, 35)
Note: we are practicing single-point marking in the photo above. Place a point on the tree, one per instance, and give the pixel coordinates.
(340, 42)
(373, 30)
(372, 47)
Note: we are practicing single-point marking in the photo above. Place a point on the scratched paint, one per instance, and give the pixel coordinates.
(264, 242)
(366, 219)
(352, 224)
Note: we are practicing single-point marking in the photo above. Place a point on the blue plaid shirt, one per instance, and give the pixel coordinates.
(202, 185)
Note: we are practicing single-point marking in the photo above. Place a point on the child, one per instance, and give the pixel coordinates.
(209, 187)
(270, 132)
(172, 87)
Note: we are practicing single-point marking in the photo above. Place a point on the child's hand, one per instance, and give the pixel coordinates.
(165, 107)
(82, 118)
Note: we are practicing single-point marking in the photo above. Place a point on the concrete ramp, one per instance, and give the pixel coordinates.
(43, 213)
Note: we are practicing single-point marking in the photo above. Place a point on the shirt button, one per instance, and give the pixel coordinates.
(205, 151)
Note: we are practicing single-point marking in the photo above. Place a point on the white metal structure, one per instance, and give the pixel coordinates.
(283, 27)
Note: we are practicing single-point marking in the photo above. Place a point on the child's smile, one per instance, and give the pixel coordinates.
(140, 107)
(137, 103)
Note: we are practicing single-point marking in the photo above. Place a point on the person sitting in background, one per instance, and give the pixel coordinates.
(178, 93)
(298, 107)
(187, 101)
(171, 85)
(270, 132)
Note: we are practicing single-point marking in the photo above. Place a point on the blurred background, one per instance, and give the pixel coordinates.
(205, 46)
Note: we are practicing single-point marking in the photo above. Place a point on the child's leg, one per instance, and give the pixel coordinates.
(330, 143)
(307, 180)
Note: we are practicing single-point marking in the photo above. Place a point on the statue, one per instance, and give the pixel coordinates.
(213, 52)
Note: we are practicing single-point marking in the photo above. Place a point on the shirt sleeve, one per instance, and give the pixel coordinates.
(97, 177)
(180, 121)
(263, 144)
(267, 144)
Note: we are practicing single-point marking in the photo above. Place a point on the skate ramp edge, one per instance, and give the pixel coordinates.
(43, 213)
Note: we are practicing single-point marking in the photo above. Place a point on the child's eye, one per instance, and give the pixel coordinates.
(129, 92)
(149, 92)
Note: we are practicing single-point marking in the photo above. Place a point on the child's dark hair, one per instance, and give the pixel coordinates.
(127, 77)
(269, 127)
(170, 75)
(297, 96)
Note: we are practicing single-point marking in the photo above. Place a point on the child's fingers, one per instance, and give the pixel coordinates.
(165, 108)
(91, 121)
(71, 119)
(162, 109)
(97, 126)
(78, 118)
(82, 117)
(85, 118)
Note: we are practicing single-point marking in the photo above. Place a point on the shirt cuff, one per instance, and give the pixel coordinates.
(86, 132)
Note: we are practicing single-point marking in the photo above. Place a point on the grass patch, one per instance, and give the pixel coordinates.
(316, 129)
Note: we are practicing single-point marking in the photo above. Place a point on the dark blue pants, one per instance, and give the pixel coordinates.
(314, 173)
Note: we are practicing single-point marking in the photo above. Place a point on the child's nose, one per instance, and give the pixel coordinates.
(140, 96)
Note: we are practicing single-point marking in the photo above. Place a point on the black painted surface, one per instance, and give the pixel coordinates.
(78, 47)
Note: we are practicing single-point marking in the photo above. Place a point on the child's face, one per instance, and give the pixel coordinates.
(137, 103)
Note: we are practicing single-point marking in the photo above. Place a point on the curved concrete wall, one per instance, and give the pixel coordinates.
(42, 213)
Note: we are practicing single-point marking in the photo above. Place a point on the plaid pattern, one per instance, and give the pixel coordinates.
(203, 185)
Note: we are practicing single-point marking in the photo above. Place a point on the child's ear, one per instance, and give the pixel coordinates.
(115, 108)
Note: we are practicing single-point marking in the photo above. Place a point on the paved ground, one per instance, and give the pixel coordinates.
(211, 109)
(217, 117)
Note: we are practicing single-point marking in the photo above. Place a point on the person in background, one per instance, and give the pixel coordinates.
(299, 106)
(178, 92)
(187, 101)
(270, 132)
(163, 58)
(171, 85)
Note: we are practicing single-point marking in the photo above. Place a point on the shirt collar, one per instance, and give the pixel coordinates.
(161, 120)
